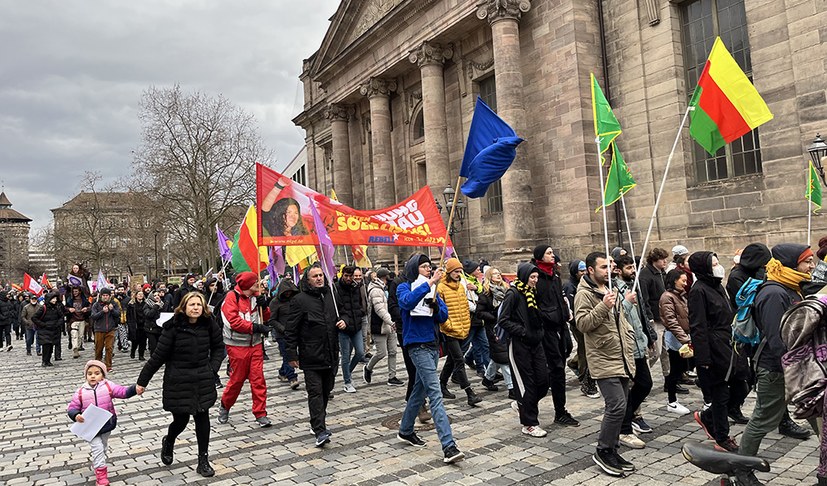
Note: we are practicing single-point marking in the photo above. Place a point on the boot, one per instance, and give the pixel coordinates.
(204, 467)
(446, 393)
(101, 476)
(166, 451)
(473, 399)
(791, 429)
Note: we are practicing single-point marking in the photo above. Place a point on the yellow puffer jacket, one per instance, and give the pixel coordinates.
(458, 324)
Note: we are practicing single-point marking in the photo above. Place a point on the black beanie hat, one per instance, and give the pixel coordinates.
(540, 251)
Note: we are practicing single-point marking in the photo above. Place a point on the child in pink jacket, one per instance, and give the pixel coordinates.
(98, 391)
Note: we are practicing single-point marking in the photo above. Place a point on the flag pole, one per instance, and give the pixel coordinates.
(450, 222)
(809, 219)
(605, 220)
(329, 278)
(660, 193)
(628, 228)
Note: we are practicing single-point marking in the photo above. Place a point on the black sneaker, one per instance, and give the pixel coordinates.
(322, 438)
(512, 395)
(368, 374)
(489, 385)
(411, 439)
(738, 417)
(447, 394)
(566, 419)
(606, 459)
(452, 455)
(640, 426)
(395, 382)
(623, 463)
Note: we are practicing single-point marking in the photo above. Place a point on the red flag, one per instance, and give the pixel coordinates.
(44, 281)
(31, 285)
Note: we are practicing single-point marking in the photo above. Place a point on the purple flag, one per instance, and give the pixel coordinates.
(223, 245)
(325, 244)
(277, 258)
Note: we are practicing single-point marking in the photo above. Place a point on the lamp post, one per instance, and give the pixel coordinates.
(817, 151)
(156, 256)
(459, 212)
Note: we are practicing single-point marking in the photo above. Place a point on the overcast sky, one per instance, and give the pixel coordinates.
(73, 73)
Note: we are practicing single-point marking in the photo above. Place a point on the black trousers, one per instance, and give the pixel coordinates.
(58, 351)
(530, 378)
(713, 384)
(455, 363)
(139, 343)
(641, 386)
(153, 341)
(5, 335)
(47, 352)
(319, 384)
(554, 345)
(677, 367)
(202, 429)
(409, 367)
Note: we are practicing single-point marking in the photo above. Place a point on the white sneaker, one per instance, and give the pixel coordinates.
(631, 441)
(349, 388)
(677, 408)
(267, 343)
(515, 406)
(534, 431)
(707, 406)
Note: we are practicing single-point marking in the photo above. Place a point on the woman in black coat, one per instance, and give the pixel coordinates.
(152, 311)
(49, 320)
(710, 325)
(191, 346)
(135, 321)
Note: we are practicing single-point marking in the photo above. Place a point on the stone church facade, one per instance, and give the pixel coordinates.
(389, 96)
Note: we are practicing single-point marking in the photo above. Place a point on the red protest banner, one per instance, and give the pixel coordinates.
(284, 217)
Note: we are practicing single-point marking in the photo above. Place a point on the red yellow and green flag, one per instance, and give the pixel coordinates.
(813, 188)
(619, 181)
(247, 255)
(606, 126)
(726, 104)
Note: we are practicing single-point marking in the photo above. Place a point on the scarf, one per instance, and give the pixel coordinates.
(497, 294)
(528, 292)
(547, 267)
(786, 276)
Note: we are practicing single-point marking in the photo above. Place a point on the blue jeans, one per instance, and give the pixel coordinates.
(347, 343)
(31, 338)
(479, 348)
(286, 370)
(425, 360)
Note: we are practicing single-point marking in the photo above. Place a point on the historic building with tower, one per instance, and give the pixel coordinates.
(389, 96)
(14, 242)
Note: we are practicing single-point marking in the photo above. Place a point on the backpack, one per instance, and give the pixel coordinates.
(744, 328)
(499, 332)
(804, 332)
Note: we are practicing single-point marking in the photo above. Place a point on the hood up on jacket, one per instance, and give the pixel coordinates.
(283, 290)
(411, 272)
(524, 270)
(754, 257)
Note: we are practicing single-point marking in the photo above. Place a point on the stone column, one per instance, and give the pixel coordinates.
(504, 17)
(378, 91)
(342, 173)
(430, 57)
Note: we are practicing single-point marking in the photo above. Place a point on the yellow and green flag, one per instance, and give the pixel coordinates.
(813, 188)
(619, 180)
(606, 126)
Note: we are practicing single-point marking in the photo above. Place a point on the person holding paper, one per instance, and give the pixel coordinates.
(192, 347)
(98, 391)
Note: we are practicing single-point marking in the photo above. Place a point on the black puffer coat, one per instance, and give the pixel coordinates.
(498, 350)
(152, 311)
(7, 309)
(192, 354)
(310, 332)
(49, 320)
(135, 317)
(349, 299)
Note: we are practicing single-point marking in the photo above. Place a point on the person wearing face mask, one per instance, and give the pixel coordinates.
(790, 265)
(710, 320)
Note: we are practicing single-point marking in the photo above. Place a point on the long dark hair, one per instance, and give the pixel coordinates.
(672, 276)
(277, 225)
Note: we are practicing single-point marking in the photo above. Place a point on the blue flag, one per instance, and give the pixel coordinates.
(491, 148)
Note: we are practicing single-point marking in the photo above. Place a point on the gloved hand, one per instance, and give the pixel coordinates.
(260, 329)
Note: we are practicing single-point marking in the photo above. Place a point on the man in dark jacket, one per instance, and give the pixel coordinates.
(312, 344)
(7, 307)
(554, 313)
(652, 286)
(105, 318)
(791, 265)
(351, 311)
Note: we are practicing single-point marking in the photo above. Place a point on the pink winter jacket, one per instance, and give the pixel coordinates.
(100, 395)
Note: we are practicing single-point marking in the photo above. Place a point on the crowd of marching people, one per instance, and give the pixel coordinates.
(610, 319)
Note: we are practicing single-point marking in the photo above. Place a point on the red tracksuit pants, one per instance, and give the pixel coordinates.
(246, 363)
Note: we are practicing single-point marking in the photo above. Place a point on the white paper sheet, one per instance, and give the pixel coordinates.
(423, 309)
(165, 316)
(94, 418)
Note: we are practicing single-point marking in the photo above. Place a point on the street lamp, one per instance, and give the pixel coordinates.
(818, 150)
(459, 212)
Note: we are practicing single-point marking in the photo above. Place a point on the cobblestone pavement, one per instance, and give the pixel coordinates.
(37, 448)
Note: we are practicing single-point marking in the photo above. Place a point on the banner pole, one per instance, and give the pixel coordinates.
(450, 222)
(660, 193)
(628, 228)
(329, 278)
(603, 203)
(809, 219)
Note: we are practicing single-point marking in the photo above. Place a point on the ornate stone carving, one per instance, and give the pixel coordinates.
(653, 9)
(431, 53)
(378, 87)
(371, 14)
(339, 112)
(476, 69)
(495, 10)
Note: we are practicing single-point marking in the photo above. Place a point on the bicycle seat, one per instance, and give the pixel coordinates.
(706, 457)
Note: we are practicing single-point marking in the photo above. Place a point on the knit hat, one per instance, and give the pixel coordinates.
(581, 266)
(105, 291)
(805, 255)
(94, 362)
(383, 272)
(452, 264)
(790, 254)
(540, 251)
(423, 259)
(245, 280)
(146, 286)
(679, 250)
(469, 267)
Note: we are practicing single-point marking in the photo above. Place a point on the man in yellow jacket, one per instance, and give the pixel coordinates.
(452, 290)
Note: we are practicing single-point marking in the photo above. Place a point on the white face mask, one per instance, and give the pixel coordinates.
(718, 271)
(736, 259)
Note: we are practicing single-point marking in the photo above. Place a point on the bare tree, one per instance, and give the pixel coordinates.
(197, 159)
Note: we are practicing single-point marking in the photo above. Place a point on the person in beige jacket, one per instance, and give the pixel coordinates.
(381, 327)
(610, 343)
